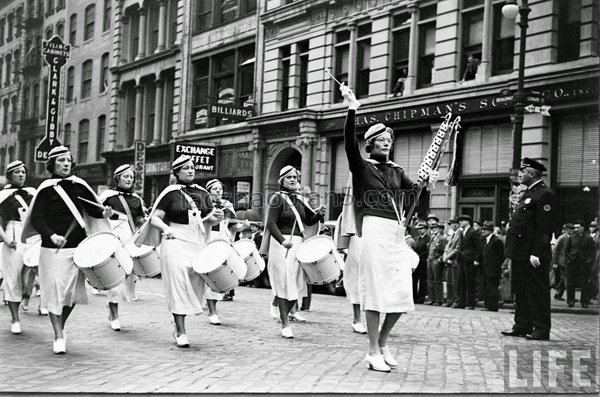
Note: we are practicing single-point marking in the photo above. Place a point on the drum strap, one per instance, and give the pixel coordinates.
(127, 211)
(295, 211)
(194, 207)
(24, 206)
(76, 214)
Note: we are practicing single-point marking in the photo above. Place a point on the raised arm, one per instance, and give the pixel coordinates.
(355, 160)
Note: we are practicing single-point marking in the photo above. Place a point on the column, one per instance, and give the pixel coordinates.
(294, 78)
(139, 112)
(142, 32)
(162, 26)
(352, 56)
(485, 68)
(257, 146)
(158, 116)
(413, 52)
(308, 136)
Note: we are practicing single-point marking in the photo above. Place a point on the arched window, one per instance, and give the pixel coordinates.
(104, 72)
(86, 79)
(60, 30)
(48, 33)
(90, 16)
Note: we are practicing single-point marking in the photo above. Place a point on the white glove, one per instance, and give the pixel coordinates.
(349, 97)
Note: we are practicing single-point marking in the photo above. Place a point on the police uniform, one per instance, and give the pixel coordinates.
(529, 233)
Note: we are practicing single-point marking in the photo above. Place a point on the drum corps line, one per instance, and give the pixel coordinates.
(73, 236)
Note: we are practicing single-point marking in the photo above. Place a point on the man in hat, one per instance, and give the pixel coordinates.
(451, 262)
(580, 258)
(431, 219)
(528, 246)
(469, 253)
(559, 261)
(435, 266)
(491, 266)
(419, 276)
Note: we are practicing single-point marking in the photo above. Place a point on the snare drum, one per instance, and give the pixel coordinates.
(103, 260)
(220, 266)
(246, 248)
(319, 260)
(146, 262)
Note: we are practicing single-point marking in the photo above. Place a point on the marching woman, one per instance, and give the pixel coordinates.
(287, 215)
(131, 207)
(385, 263)
(223, 230)
(62, 219)
(182, 215)
(14, 201)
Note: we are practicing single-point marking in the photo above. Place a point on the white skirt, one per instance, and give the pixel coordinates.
(12, 264)
(61, 282)
(351, 270)
(385, 267)
(184, 287)
(285, 274)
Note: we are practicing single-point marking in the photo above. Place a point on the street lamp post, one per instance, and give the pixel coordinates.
(510, 10)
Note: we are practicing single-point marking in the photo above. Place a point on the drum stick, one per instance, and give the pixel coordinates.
(291, 236)
(330, 75)
(69, 230)
(187, 241)
(99, 205)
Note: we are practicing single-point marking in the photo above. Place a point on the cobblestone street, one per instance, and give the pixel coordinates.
(440, 350)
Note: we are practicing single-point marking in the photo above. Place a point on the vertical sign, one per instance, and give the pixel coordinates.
(139, 166)
(55, 54)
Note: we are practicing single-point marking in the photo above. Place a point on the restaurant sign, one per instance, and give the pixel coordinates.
(204, 156)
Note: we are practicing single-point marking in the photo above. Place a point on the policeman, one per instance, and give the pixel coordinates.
(528, 246)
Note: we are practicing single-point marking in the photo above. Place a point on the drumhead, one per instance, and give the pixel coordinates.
(244, 247)
(212, 256)
(136, 251)
(314, 249)
(95, 249)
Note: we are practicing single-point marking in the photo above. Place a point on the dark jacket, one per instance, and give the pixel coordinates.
(470, 246)
(532, 224)
(492, 257)
(580, 249)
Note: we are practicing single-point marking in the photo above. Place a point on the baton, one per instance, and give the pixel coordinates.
(334, 79)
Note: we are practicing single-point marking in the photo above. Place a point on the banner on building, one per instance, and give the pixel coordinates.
(139, 166)
(204, 156)
(228, 111)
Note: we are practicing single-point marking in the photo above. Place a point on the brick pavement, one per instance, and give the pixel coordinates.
(440, 350)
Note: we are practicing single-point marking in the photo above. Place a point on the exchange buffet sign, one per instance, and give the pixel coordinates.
(204, 156)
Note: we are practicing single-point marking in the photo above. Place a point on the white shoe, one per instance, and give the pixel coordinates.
(25, 304)
(275, 313)
(359, 328)
(377, 363)
(42, 312)
(287, 332)
(388, 357)
(59, 346)
(115, 325)
(182, 341)
(214, 319)
(15, 328)
(297, 317)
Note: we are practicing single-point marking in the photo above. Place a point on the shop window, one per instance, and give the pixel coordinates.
(503, 44)
(70, 84)
(487, 149)
(569, 30)
(401, 42)
(284, 55)
(82, 148)
(342, 65)
(90, 20)
(86, 79)
(303, 48)
(578, 150)
(107, 15)
(73, 29)
(104, 72)
(101, 137)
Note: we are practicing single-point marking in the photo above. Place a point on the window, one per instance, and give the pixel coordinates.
(569, 30)
(44, 97)
(303, 48)
(86, 79)
(18, 21)
(152, 19)
(401, 42)
(472, 43)
(226, 10)
(26, 100)
(60, 4)
(67, 135)
(342, 53)
(503, 46)
(49, 7)
(104, 72)
(5, 105)
(487, 149)
(201, 75)
(8, 62)
(13, 109)
(101, 136)
(90, 16)
(70, 84)
(426, 54)
(60, 30)
(203, 15)
(363, 61)
(48, 33)
(84, 133)
(1, 69)
(73, 29)
(36, 100)
(285, 77)
(2, 160)
(11, 154)
(17, 60)
(40, 9)
(2, 27)
(134, 36)
(9, 33)
(107, 15)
